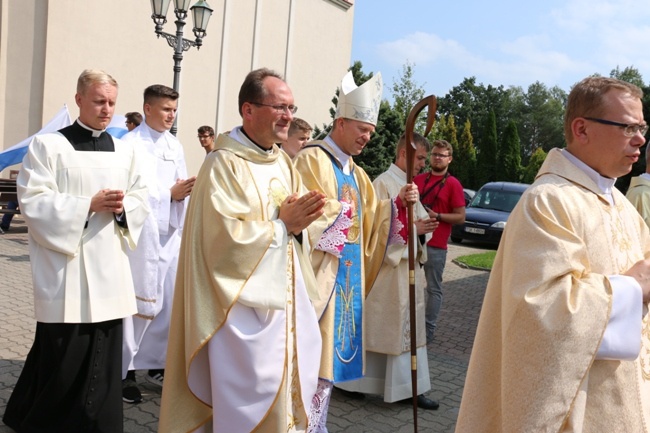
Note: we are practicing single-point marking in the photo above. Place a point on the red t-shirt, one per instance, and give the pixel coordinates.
(441, 194)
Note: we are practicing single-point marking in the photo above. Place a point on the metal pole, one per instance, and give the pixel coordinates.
(178, 58)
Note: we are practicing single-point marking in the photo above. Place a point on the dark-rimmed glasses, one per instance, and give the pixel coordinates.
(280, 109)
(629, 129)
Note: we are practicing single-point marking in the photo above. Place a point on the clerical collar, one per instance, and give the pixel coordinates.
(341, 156)
(605, 184)
(240, 136)
(263, 149)
(96, 133)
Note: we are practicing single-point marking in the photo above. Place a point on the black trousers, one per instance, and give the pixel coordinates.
(71, 381)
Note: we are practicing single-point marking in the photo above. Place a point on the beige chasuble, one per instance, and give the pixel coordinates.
(244, 343)
(387, 305)
(548, 302)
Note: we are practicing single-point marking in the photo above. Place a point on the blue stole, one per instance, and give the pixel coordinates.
(348, 288)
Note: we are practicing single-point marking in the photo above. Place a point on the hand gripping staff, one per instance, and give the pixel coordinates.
(430, 102)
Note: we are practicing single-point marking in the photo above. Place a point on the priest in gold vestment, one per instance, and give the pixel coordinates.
(244, 343)
(563, 338)
(351, 241)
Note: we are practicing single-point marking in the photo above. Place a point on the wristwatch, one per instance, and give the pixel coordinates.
(438, 217)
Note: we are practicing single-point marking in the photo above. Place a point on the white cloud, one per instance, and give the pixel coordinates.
(419, 48)
(559, 47)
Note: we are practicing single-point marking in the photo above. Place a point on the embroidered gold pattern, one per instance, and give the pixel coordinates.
(350, 195)
(277, 194)
(295, 414)
(347, 325)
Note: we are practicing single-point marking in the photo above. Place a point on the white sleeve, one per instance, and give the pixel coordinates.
(622, 337)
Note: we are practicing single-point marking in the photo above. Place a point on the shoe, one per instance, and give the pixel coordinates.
(352, 394)
(156, 377)
(130, 392)
(423, 402)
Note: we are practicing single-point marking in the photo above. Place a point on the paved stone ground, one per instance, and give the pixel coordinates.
(448, 355)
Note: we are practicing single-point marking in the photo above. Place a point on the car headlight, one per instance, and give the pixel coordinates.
(499, 225)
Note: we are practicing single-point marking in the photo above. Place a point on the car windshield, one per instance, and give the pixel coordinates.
(500, 200)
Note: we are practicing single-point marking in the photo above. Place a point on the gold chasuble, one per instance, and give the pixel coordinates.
(371, 229)
(534, 365)
(244, 343)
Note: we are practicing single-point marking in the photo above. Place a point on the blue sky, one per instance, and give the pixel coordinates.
(502, 42)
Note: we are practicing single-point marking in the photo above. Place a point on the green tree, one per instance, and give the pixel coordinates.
(629, 74)
(471, 101)
(534, 164)
(464, 162)
(439, 128)
(541, 119)
(488, 152)
(451, 134)
(510, 153)
(406, 93)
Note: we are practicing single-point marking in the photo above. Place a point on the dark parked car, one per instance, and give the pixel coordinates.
(487, 213)
(469, 195)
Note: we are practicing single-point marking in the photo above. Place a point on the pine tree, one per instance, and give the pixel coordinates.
(464, 162)
(406, 93)
(487, 153)
(510, 154)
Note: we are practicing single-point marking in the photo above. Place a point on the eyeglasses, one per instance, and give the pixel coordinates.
(201, 137)
(439, 155)
(629, 129)
(280, 109)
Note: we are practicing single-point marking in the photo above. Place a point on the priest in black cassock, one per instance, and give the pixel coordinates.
(84, 202)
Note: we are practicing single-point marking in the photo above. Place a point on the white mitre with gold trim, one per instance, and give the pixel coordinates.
(362, 102)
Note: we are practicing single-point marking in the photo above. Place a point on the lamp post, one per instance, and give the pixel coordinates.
(201, 12)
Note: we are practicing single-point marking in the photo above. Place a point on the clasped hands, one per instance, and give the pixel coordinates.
(298, 212)
(108, 200)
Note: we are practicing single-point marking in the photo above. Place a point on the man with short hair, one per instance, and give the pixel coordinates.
(244, 344)
(442, 196)
(299, 135)
(206, 138)
(154, 262)
(639, 191)
(563, 340)
(85, 203)
(351, 241)
(133, 120)
(388, 322)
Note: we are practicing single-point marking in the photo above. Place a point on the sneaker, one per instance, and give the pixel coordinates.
(130, 392)
(156, 377)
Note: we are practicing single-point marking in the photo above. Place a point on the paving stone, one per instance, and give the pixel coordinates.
(448, 354)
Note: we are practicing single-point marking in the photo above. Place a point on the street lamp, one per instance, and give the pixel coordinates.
(201, 12)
